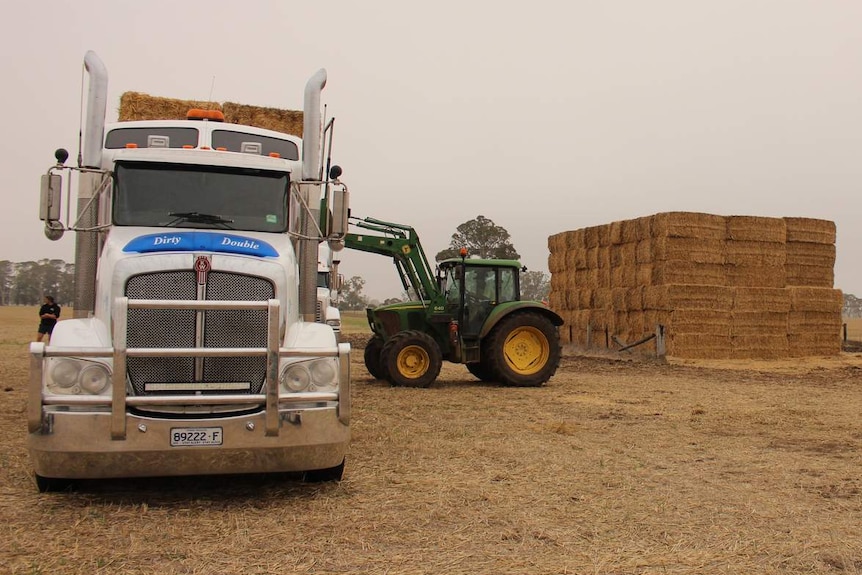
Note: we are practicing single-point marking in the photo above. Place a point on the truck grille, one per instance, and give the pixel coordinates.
(179, 328)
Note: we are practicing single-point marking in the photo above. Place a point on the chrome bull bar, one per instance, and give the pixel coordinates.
(118, 401)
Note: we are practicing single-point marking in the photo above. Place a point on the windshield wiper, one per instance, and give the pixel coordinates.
(198, 218)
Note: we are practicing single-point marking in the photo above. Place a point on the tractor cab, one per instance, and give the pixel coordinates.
(475, 287)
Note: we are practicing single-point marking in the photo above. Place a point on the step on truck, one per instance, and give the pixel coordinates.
(195, 348)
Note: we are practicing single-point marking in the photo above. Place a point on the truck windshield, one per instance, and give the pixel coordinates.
(192, 196)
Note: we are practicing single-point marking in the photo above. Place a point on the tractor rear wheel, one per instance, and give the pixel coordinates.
(411, 359)
(523, 349)
(372, 357)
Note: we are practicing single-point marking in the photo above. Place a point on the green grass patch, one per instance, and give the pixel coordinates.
(354, 322)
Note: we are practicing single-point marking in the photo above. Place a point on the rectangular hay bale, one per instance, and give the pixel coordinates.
(810, 230)
(816, 299)
(756, 276)
(755, 253)
(759, 346)
(756, 229)
(811, 254)
(689, 225)
(761, 299)
(688, 273)
(695, 250)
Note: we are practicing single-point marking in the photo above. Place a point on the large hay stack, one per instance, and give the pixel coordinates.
(722, 286)
(138, 106)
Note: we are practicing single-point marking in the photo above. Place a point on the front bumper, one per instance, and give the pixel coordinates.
(78, 445)
(91, 437)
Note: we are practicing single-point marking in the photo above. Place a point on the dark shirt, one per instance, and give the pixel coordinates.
(49, 308)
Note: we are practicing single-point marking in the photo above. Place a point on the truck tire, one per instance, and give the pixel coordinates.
(321, 475)
(53, 484)
(411, 359)
(523, 349)
(372, 357)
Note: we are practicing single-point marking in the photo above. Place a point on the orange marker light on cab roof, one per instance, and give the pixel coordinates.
(221, 149)
(131, 145)
(188, 147)
(199, 114)
(274, 155)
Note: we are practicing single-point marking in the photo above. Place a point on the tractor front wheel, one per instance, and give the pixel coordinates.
(372, 357)
(411, 359)
(523, 349)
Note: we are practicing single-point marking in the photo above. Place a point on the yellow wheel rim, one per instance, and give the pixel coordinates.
(413, 361)
(526, 350)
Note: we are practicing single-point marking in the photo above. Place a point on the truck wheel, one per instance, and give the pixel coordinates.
(411, 359)
(480, 369)
(523, 350)
(321, 475)
(53, 484)
(372, 357)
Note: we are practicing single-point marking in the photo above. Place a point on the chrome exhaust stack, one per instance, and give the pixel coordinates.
(87, 242)
(310, 189)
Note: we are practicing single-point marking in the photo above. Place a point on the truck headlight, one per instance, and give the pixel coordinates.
(75, 376)
(94, 379)
(314, 375)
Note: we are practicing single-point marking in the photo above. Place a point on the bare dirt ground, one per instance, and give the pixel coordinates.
(615, 467)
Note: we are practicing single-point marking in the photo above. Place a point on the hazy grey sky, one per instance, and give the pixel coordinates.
(542, 116)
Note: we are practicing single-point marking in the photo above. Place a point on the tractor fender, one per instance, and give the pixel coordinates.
(508, 308)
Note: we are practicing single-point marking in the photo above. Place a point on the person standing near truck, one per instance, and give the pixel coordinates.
(48, 315)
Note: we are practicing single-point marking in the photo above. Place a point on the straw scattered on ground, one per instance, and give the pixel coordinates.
(624, 466)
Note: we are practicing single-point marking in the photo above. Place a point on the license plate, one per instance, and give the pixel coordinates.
(193, 436)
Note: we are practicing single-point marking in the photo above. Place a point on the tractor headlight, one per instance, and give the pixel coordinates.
(314, 375)
(74, 376)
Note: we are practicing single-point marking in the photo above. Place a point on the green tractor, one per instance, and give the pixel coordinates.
(469, 312)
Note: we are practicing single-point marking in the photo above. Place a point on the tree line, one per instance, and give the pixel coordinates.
(26, 283)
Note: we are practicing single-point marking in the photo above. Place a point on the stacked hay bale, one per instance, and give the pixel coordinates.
(138, 106)
(723, 287)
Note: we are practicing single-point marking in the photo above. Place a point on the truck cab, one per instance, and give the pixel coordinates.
(195, 347)
(329, 284)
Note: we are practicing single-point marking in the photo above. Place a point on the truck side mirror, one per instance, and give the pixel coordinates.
(51, 194)
(340, 211)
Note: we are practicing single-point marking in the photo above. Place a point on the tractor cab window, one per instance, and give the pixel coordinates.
(480, 283)
(453, 285)
(507, 290)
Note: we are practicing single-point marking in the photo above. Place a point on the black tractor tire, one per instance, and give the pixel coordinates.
(523, 349)
(481, 370)
(372, 357)
(411, 359)
(321, 475)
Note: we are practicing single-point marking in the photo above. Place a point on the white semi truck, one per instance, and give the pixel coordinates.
(329, 284)
(196, 347)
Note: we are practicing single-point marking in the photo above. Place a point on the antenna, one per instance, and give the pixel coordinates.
(212, 88)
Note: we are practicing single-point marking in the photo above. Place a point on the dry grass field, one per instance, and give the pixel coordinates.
(617, 466)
